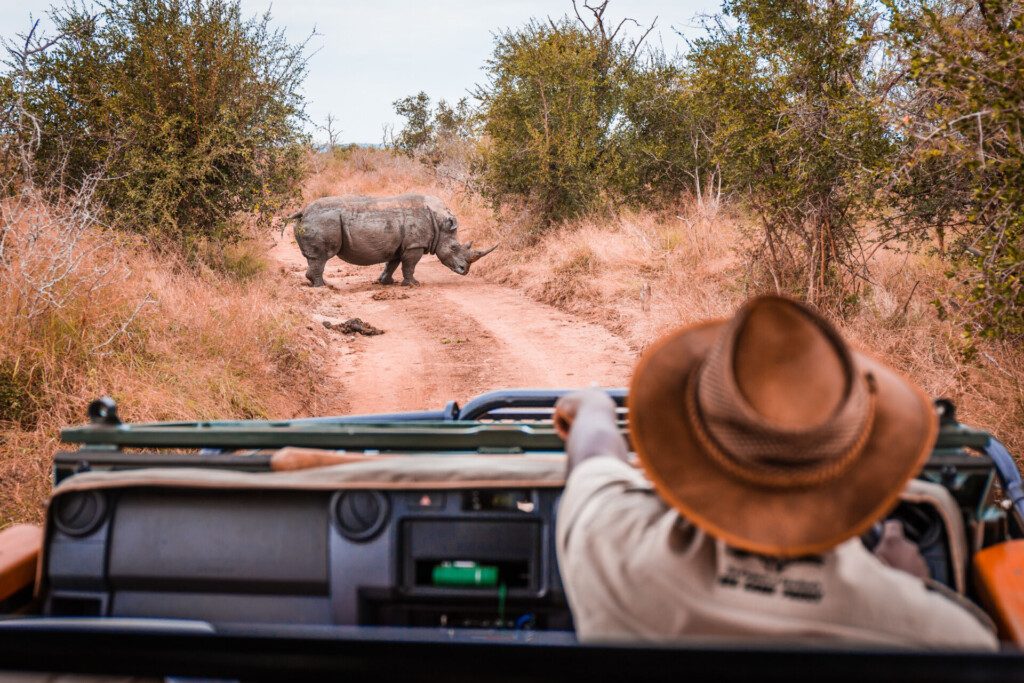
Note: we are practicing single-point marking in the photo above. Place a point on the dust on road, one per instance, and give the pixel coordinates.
(449, 339)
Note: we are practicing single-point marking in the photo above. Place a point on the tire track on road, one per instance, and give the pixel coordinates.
(449, 339)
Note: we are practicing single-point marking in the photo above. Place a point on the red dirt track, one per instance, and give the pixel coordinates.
(450, 338)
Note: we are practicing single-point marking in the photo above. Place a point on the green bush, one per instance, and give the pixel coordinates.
(8, 161)
(667, 145)
(551, 111)
(418, 132)
(801, 134)
(966, 114)
(435, 134)
(190, 110)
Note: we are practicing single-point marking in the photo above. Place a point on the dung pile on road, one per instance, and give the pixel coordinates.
(354, 326)
(388, 295)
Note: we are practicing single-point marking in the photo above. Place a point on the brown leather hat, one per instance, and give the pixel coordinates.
(772, 435)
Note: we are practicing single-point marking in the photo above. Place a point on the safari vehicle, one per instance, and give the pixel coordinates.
(408, 547)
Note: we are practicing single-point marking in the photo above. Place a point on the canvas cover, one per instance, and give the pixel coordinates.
(352, 471)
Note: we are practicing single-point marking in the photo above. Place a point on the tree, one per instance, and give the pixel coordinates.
(418, 130)
(428, 131)
(667, 145)
(801, 135)
(443, 137)
(193, 110)
(331, 130)
(551, 111)
(965, 60)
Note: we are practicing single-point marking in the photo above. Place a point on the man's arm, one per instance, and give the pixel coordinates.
(586, 420)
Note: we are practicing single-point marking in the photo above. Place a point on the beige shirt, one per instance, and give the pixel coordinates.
(634, 569)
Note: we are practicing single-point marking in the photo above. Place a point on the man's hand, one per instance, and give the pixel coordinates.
(590, 400)
(586, 420)
(898, 552)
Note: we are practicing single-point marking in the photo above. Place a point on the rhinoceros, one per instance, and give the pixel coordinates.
(390, 230)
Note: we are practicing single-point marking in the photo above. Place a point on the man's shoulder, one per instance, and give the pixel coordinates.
(603, 470)
(596, 480)
(604, 492)
(889, 599)
(602, 464)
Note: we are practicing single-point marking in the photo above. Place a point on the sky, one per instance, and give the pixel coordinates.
(372, 52)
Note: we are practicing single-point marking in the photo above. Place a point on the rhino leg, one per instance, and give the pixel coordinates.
(315, 271)
(409, 261)
(389, 270)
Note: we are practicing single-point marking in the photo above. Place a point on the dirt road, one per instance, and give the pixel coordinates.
(450, 338)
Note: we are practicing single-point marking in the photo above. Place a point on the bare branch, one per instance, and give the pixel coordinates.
(332, 131)
(577, 11)
(146, 301)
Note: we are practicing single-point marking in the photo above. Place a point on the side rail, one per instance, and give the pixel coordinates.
(1009, 475)
(500, 422)
(524, 404)
(954, 437)
(108, 443)
(505, 405)
(523, 417)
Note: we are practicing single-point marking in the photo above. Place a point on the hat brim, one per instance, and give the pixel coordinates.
(786, 521)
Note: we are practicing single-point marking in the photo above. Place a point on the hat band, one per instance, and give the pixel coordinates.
(774, 476)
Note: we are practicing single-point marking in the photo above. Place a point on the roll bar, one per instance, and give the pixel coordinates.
(509, 420)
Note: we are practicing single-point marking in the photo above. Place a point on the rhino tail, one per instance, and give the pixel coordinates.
(295, 216)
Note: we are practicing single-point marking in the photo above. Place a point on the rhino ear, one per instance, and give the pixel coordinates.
(449, 224)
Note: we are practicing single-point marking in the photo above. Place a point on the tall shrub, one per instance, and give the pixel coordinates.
(668, 140)
(442, 136)
(966, 64)
(801, 134)
(192, 109)
(551, 109)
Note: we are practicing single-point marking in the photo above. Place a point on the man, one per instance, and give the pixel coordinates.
(768, 447)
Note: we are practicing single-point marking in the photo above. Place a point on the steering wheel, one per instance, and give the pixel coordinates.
(921, 525)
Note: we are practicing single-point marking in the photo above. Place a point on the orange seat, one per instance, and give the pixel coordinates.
(19, 552)
(999, 579)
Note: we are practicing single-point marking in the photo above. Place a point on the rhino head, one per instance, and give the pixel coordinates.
(458, 257)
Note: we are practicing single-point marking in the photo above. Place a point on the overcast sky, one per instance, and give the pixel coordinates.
(372, 52)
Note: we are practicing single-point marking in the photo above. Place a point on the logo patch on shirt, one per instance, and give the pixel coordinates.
(765, 575)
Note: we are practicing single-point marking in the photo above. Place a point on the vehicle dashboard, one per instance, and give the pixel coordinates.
(441, 557)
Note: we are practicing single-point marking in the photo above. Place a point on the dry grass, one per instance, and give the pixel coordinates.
(645, 273)
(164, 341)
(571, 284)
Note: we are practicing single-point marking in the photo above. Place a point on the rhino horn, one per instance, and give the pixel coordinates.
(478, 254)
(468, 245)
